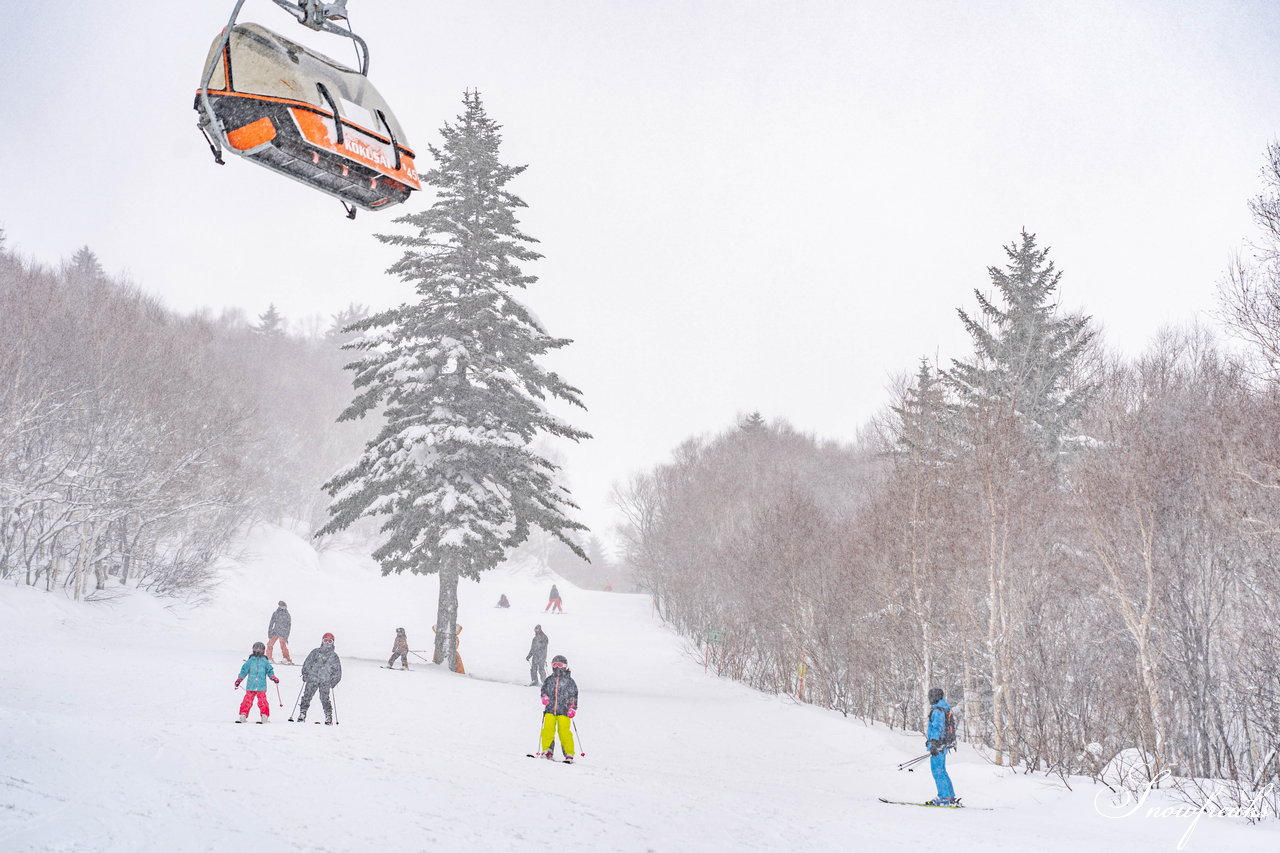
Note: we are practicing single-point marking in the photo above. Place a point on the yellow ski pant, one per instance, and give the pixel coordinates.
(549, 724)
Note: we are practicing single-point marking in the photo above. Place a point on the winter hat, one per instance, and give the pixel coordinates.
(537, 627)
(399, 630)
(259, 646)
(327, 638)
(282, 604)
(935, 695)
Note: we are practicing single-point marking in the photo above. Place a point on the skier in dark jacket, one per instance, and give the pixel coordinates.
(322, 670)
(400, 649)
(281, 622)
(935, 741)
(537, 657)
(560, 703)
(554, 601)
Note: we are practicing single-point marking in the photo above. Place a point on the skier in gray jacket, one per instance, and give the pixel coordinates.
(537, 657)
(281, 622)
(322, 670)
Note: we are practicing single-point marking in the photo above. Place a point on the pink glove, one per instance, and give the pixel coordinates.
(237, 682)
(545, 699)
(572, 711)
(276, 680)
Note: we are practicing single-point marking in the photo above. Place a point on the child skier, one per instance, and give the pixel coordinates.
(560, 703)
(937, 742)
(258, 669)
(400, 649)
(322, 670)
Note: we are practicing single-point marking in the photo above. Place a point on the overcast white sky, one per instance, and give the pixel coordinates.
(743, 205)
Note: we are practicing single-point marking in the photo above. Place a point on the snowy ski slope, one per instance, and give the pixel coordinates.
(116, 734)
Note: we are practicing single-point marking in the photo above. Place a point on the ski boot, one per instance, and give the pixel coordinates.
(242, 718)
(265, 719)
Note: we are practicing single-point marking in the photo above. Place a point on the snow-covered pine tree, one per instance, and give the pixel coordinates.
(270, 322)
(1025, 352)
(339, 330)
(923, 430)
(753, 423)
(453, 471)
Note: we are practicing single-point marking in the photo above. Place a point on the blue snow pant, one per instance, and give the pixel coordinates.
(938, 764)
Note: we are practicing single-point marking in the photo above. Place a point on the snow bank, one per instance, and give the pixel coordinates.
(116, 733)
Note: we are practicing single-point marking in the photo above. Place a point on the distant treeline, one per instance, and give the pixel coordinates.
(1083, 550)
(135, 443)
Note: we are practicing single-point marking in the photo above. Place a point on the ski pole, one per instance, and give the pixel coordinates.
(279, 698)
(907, 765)
(577, 737)
(295, 701)
(333, 697)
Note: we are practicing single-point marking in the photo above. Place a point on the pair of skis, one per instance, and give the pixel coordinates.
(536, 755)
(957, 805)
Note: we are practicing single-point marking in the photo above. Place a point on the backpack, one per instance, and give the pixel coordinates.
(948, 739)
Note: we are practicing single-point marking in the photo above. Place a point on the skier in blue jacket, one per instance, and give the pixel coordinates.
(936, 742)
(257, 669)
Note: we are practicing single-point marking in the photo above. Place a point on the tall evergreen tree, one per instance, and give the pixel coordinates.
(923, 429)
(1025, 353)
(270, 322)
(753, 423)
(453, 473)
(340, 330)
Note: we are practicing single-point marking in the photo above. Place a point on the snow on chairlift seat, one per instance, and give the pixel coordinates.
(301, 113)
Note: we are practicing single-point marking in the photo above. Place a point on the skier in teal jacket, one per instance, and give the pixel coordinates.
(257, 669)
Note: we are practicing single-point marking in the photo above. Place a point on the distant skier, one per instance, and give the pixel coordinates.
(281, 622)
(554, 601)
(502, 601)
(258, 669)
(399, 649)
(560, 703)
(322, 670)
(537, 657)
(940, 736)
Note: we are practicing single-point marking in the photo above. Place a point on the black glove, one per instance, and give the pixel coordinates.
(935, 747)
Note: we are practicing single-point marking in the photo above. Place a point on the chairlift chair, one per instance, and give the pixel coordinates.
(302, 114)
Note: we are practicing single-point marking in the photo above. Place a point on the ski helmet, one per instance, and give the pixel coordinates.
(399, 630)
(327, 638)
(935, 695)
(559, 661)
(259, 646)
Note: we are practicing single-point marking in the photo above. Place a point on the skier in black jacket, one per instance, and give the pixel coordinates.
(560, 703)
(281, 622)
(322, 670)
(537, 657)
